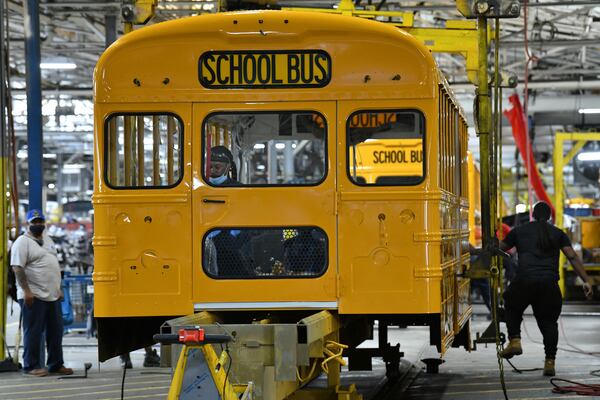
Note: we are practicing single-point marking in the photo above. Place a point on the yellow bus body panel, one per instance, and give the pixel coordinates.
(264, 207)
(392, 249)
(142, 244)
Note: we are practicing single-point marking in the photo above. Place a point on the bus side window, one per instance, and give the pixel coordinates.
(143, 150)
(276, 148)
(265, 253)
(386, 147)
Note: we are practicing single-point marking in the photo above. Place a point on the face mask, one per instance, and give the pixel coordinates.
(37, 229)
(218, 180)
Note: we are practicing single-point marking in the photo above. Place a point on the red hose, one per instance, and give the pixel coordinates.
(578, 388)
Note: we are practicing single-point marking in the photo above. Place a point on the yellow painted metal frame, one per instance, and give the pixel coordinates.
(144, 12)
(458, 37)
(320, 345)
(559, 161)
(226, 390)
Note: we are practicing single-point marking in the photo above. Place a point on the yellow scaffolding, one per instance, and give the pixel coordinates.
(458, 36)
(559, 161)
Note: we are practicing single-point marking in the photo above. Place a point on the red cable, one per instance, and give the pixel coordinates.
(579, 388)
(530, 58)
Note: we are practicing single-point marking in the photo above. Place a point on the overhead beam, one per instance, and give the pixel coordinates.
(548, 43)
(83, 92)
(92, 26)
(556, 71)
(560, 16)
(435, 7)
(522, 60)
(82, 5)
(560, 85)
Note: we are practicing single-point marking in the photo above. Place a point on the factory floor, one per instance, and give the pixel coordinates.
(463, 376)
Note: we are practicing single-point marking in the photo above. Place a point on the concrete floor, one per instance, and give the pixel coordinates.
(104, 379)
(463, 376)
(475, 375)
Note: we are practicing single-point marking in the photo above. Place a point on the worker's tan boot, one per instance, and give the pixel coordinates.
(513, 349)
(549, 367)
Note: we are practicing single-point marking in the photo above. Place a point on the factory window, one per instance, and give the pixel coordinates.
(267, 253)
(281, 148)
(386, 147)
(143, 150)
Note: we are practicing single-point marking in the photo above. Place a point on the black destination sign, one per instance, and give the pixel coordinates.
(264, 69)
(398, 156)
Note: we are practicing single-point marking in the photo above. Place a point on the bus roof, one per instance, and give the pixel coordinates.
(367, 59)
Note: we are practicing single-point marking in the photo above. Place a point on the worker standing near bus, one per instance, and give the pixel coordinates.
(37, 272)
(538, 246)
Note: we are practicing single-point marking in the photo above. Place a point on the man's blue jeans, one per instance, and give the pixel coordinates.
(42, 316)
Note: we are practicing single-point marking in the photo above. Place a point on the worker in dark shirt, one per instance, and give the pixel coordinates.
(535, 283)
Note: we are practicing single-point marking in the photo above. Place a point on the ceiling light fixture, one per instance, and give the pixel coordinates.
(589, 156)
(589, 111)
(58, 65)
(521, 208)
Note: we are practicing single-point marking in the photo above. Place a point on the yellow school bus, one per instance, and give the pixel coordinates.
(346, 189)
(374, 159)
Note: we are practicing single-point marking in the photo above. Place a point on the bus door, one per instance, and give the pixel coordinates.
(264, 230)
(380, 171)
(141, 208)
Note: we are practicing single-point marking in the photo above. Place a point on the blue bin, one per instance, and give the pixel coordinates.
(78, 300)
(578, 212)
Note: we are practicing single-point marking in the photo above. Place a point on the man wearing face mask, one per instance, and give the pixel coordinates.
(223, 171)
(37, 270)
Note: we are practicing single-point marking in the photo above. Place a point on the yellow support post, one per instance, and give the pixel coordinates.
(558, 200)
(137, 12)
(559, 162)
(573, 152)
(483, 117)
(458, 37)
(219, 375)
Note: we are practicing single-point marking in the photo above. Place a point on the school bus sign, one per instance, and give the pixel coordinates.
(391, 157)
(256, 69)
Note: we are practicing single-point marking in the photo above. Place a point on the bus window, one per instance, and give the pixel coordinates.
(265, 253)
(386, 147)
(268, 148)
(143, 150)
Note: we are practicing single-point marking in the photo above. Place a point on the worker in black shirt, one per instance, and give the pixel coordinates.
(538, 246)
